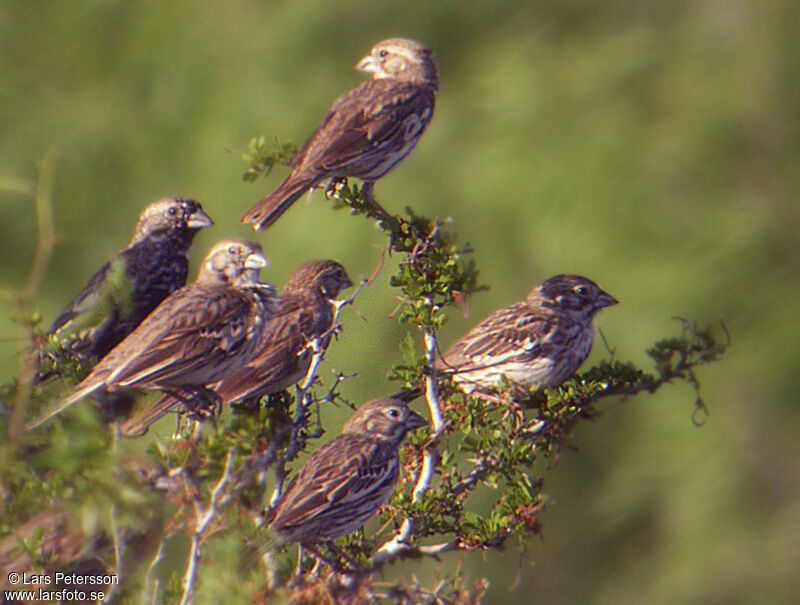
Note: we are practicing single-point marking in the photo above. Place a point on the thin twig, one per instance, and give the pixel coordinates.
(476, 474)
(204, 518)
(45, 241)
(318, 347)
(117, 554)
(156, 560)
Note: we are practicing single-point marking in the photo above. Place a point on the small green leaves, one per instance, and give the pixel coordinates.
(491, 469)
(493, 452)
(261, 158)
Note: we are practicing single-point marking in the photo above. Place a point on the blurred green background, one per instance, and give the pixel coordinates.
(653, 146)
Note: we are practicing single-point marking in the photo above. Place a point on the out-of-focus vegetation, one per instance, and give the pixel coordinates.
(651, 146)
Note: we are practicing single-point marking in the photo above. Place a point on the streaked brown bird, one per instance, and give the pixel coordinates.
(281, 357)
(195, 336)
(346, 481)
(367, 131)
(127, 288)
(538, 342)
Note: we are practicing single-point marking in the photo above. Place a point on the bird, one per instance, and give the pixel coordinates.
(128, 287)
(281, 357)
(195, 336)
(538, 342)
(367, 131)
(345, 482)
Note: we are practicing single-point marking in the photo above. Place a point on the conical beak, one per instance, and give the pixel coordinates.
(199, 219)
(605, 300)
(256, 260)
(415, 421)
(367, 64)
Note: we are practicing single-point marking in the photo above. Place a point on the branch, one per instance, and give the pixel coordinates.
(45, 241)
(430, 459)
(156, 560)
(204, 518)
(318, 347)
(117, 553)
(431, 386)
(475, 475)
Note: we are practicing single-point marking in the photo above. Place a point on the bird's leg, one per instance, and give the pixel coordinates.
(335, 185)
(368, 191)
(204, 402)
(198, 403)
(181, 415)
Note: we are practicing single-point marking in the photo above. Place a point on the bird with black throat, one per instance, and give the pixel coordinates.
(127, 288)
(367, 131)
(281, 357)
(194, 337)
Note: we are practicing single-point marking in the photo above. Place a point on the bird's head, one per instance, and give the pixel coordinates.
(171, 214)
(233, 261)
(324, 277)
(401, 59)
(384, 419)
(573, 294)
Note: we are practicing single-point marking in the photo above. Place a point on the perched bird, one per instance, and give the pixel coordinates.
(128, 287)
(281, 356)
(539, 342)
(346, 481)
(195, 336)
(367, 131)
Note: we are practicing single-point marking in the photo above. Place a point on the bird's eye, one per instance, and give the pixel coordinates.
(232, 250)
(383, 54)
(173, 211)
(393, 413)
(582, 291)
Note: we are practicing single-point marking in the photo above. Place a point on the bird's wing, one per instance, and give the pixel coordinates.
(344, 470)
(106, 298)
(279, 355)
(194, 326)
(370, 118)
(508, 333)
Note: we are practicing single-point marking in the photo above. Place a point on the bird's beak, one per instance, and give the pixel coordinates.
(256, 260)
(198, 220)
(415, 421)
(367, 64)
(605, 300)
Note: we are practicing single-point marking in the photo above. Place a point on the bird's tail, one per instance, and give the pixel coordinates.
(257, 543)
(64, 404)
(270, 209)
(138, 425)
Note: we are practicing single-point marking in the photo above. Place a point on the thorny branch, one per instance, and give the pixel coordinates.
(430, 460)
(303, 398)
(146, 592)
